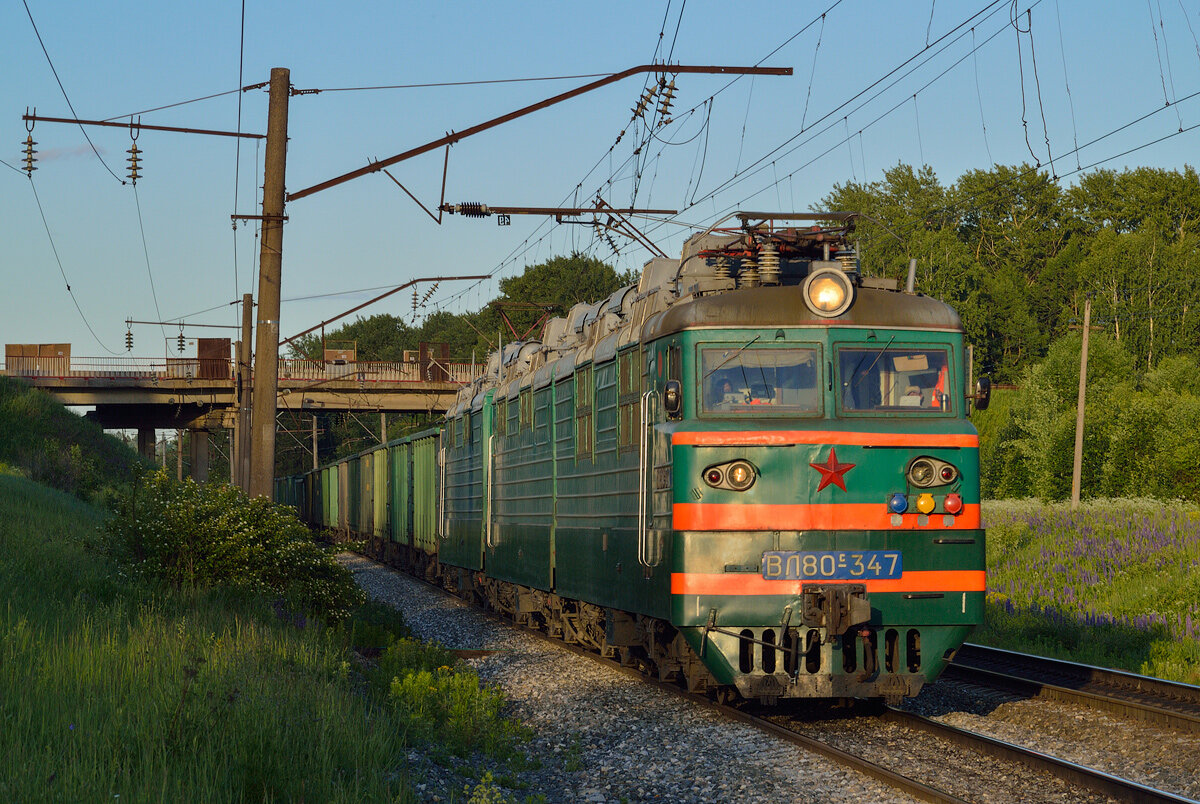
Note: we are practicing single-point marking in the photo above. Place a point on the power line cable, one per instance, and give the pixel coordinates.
(1158, 55)
(237, 157)
(1038, 84)
(994, 5)
(64, 93)
(62, 271)
(1190, 29)
(678, 23)
(181, 103)
(813, 72)
(2, 162)
(1167, 53)
(1066, 81)
(979, 96)
(146, 251)
(749, 172)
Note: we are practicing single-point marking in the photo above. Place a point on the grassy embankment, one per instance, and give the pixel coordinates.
(1115, 584)
(114, 686)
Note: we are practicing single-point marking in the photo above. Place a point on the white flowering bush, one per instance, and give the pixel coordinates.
(192, 535)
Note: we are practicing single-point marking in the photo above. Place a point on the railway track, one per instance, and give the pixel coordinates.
(1097, 781)
(1163, 703)
(1079, 776)
(929, 740)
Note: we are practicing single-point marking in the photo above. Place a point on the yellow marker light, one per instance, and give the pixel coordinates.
(828, 292)
(925, 503)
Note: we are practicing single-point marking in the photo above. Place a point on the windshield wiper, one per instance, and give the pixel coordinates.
(732, 356)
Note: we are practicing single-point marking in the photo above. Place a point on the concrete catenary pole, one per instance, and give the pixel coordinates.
(244, 403)
(1077, 468)
(270, 262)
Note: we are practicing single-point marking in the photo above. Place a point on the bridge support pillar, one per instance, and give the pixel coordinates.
(146, 442)
(199, 454)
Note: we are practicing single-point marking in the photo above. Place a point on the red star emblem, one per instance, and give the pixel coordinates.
(832, 471)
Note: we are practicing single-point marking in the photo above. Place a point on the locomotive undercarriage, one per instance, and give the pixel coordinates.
(769, 663)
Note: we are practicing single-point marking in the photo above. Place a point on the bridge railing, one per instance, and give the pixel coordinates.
(143, 368)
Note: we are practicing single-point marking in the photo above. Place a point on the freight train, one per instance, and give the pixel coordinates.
(752, 472)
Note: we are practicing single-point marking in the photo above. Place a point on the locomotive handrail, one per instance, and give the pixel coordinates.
(643, 461)
(487, 504)
(441, 453)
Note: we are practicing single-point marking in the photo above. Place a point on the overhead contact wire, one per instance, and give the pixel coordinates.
(64, 93)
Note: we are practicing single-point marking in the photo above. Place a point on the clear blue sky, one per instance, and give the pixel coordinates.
(123, 57)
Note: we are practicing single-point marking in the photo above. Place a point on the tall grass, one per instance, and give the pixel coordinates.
(1116, 583)
(42, 440)
(115, 690)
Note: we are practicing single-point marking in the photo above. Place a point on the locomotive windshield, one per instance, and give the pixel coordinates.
(741, 379)
(894, 380)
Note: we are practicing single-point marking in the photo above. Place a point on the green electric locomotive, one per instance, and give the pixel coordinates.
(752, 472)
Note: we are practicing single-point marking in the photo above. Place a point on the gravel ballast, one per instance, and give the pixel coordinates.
(599, 735)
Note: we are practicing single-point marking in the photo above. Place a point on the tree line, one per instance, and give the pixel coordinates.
(1017, 254)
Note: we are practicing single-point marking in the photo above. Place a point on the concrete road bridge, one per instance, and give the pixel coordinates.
(201, 395)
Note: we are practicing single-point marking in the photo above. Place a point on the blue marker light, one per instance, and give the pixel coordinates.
(898, 504)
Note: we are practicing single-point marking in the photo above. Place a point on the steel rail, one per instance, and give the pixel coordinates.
(1110, 785)
(1143, 698)
(875, 771)
(1098, 781)
(903, 783)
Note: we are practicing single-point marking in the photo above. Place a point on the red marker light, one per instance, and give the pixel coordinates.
(947, 473)
(953, 504)
(713, 476)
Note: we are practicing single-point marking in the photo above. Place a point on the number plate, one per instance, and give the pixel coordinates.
(831, 565)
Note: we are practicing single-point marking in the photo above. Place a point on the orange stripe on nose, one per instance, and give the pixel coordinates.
(845, 516)
(738, 583)
(782, 438)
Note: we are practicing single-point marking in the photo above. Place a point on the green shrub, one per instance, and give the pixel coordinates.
(44, 441)
(191, 535)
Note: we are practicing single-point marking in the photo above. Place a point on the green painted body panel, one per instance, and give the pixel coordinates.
(380, 465)
(399, 498)
(343, 495)
(329, 482)
(467, 479)
(426, 484)
(785, 476)
(596, 536)
(366, 500)
(354, 495)
(523, 483)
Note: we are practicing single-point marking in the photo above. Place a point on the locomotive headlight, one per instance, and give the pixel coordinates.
(828, 292)
(740, 475)
(734, 476)
(926, 472)
(921, 472)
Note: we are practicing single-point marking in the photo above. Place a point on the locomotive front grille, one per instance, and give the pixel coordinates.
(797, 652)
